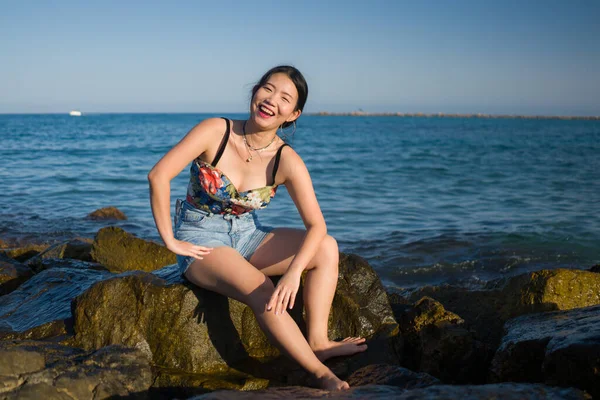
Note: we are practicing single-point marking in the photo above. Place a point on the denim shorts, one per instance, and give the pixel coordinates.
(242, 232)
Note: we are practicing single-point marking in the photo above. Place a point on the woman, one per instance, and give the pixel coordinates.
(220, 245)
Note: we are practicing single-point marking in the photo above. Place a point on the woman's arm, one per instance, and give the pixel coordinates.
(299, 185)
(196, 142)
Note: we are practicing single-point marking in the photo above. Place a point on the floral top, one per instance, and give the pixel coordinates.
(211, 190)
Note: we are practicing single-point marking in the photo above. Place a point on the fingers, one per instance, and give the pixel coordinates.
(198, 252)
(273, 300)
(280, 299)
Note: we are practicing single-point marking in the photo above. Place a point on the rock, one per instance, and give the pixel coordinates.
(384, 374)
(189, 329)
(39, 370)
(595, 268)
(439, 343)
(76, 249)
(558, 348)
(47, 263)
(546, 290)
(107, 213)
(44, 298)
(169, 384)
(120, 251)
(25, 252)
(52, 329)
(504, 391)
(12, 274)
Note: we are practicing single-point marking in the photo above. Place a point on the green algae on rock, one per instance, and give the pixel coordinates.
(121, 251)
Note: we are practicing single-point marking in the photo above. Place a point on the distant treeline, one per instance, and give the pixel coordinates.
(444, 115)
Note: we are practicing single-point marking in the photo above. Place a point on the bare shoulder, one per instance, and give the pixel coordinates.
(291, 164)
(209, 127)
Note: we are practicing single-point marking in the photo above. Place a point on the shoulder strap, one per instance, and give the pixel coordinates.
(277, 157)
(223, 145)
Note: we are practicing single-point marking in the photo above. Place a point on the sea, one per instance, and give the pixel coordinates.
(425, 200)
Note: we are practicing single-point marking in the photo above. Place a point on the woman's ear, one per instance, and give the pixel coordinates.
(295, 115)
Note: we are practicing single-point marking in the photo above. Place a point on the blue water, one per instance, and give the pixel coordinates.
(424, 200)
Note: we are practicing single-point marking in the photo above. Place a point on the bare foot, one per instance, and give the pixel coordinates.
(347, 347)
(328, 381)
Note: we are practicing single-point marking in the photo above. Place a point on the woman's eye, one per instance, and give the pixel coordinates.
(286, 100)
(268, 89)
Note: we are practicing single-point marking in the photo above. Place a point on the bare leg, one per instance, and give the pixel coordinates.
(226, 272)
(274, 256)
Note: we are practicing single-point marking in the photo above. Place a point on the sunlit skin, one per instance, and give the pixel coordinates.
(285, 251)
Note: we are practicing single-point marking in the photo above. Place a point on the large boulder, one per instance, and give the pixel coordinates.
(558, 348)
(12, 274)
(189, 329)
(488, 309)
(121, 251)
(39, 370)
(439, 342)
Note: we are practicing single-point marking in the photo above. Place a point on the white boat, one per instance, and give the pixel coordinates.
(75, 113)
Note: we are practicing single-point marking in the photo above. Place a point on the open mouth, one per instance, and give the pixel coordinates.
(265, 112)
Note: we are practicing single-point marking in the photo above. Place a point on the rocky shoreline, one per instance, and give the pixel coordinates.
(112, 318)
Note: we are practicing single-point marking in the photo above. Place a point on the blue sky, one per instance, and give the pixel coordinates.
(527, 57)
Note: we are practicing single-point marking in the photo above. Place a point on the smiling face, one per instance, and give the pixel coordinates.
(274, 103)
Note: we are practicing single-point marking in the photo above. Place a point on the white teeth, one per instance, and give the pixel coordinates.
(266, 111)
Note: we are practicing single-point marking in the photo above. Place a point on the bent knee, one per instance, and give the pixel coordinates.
(330, 246)
(260, 296)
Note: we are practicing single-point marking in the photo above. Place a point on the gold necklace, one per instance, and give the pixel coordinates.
(248, 147)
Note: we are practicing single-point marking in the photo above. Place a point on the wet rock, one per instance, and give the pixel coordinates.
(12, 274)
(504, 391)
(52, 329)
(439, 342)
(487, 310)
(121, 251)
(186, 328)
(23, 253)
(385, 374)
(44, 298)
(47, 263)
(107, 213)
(76, 249)
(558, 348)
(39, 370)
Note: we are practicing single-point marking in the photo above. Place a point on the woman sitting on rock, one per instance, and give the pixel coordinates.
(221, 246)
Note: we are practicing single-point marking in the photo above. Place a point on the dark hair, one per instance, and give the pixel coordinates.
(297, 79)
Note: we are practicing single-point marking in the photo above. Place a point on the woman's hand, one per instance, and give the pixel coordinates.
(188, 249)
(285, 292)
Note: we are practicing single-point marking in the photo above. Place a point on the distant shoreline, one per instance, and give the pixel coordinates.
(445, 115)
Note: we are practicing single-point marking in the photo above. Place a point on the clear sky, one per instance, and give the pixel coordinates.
(526, 57)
